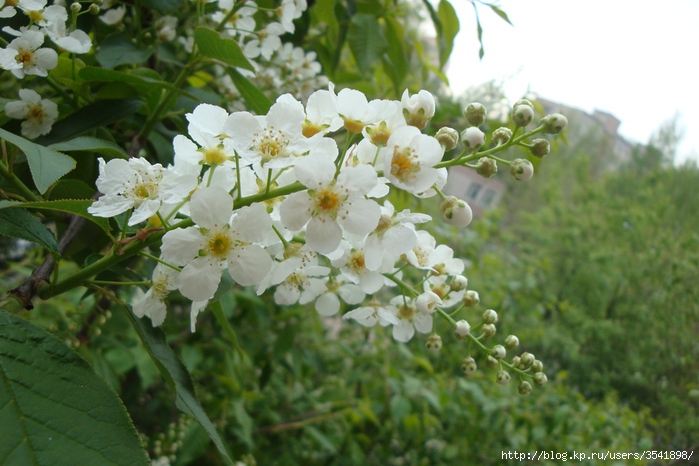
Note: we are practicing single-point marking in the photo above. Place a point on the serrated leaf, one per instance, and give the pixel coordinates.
(212, 45)
(94, 115)
(253, 97)
(176, 376)
(90, 144)
(450, 28)
(55, 410)
(366, 41)
(19, 223)
(47, 166)
(68, 206)
(118, 49)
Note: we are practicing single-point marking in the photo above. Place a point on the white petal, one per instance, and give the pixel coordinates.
(211, 207)
(182, 245)
(362, 216)
(323, 236)
(404, 331)
(314, 172)
(295, 210)
(199, 279)
(252, 223)
(351, 293)
(249, 265)
(423, 322)
(327, 304)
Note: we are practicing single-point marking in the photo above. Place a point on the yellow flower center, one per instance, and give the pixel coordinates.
(404, 163)
(36, 112)
(270, 145)
(219, 245)
(406, 312)
(215, 156)
(24, 57)
(356, 260)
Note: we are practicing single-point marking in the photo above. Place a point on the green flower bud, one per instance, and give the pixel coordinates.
(522, 169)
(462, 329)
(522, 112)
(458, 283)
(468, 365)
(447, 137)
(490, 316)
(75, 7)
(486, 167)
(472, 138)
(489, 330)
(491, 362)
(554, 123)
(470, 298)
(503, 377)
(540, 378)
(524, 388)
(511, 342)
(526, 359)
(540, 148)
(498, 352)
(537, 366)
(456, 212)
(434, 343)
(475, 114)
(502, 135)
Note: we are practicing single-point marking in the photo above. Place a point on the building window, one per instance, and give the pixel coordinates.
(473, 190)
(488, 198)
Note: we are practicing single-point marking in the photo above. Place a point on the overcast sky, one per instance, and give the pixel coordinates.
(636, 59)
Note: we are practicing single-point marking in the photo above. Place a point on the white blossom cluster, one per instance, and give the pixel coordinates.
(318, 231)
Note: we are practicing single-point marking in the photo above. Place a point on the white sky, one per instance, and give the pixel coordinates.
(636, 59)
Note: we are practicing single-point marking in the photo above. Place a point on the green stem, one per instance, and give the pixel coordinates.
(226, 325)
(283, 191)
(26, 193)
(118, 283)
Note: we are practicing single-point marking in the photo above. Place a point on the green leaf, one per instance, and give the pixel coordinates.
(450, 27)
(94, 115)
(90, 144)
(19, 223)
(176, 376)
(118, 49)
(366, 41)
(163, 5)
(143, 84)
(398, 68)
(55, 409)
(68, 206)
(501, 14)
(212, 45)
(253, 97)
(47, 166)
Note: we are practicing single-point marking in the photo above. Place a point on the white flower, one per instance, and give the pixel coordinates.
(242, 22)
(427, 255)
(218, 241)
(472, 138)
(23, 55)
(275, 140)
(410, 318)
(418, 109)
(321, 113)
(330, 206)
(38, 114)
(328, 303)
(136, 183)
(371, 314)
(166, 28)
(266, 42)
(427, 302)
(409, 158)
(113, 16)
(7, 10)
(395, 235)
(351, 260)
(152, 303)
(205, 127)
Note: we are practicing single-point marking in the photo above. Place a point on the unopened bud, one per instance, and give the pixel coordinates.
(475, 114)
(456, 212)
(540, 378)
(524, 388)
(511, 342)
(434, 343)
(418, 109)
(468, 365)
(554, 123)
(489, 330)
(502, 135)
(540, 147)
(491, 362)
(503, 377)
(490, 316)
(75, 7)
(537, 366)
(470, 298)
(487, 167)
(522, 169)
(458, 283)
(522, 112)
(526, 359)
(462, 329)
(447, 137)
(498, 352)
(472, 138)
